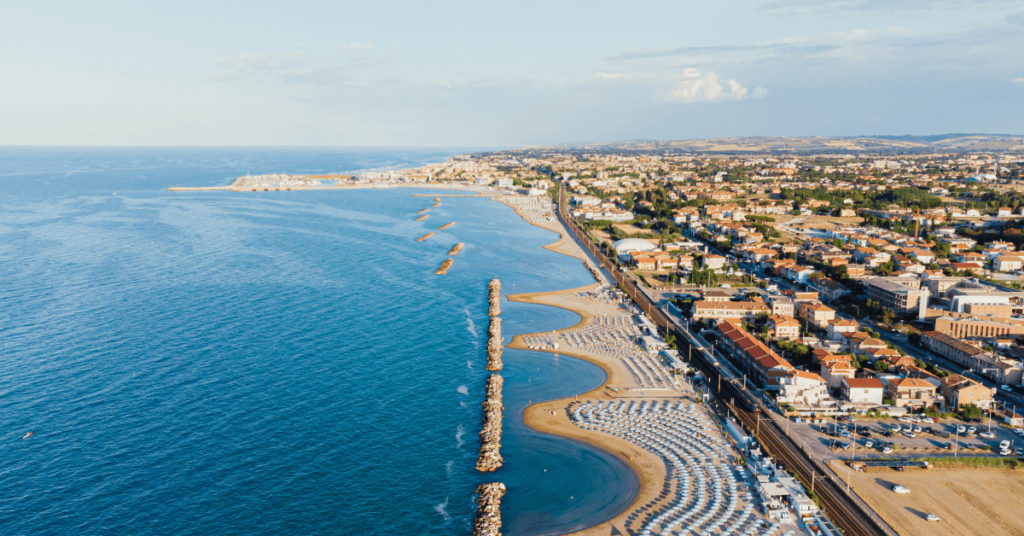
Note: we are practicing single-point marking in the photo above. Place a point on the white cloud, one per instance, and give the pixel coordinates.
(355, 46)
(258, 64)
(697, 88)
(609, 75)
(1019, 80)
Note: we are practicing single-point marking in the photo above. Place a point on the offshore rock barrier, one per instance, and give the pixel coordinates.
(593, 271)
(488, 509)
(494, 343)
(444, 267)
(435, 205)
(494, 289)
(445, 226)
(490, 437)
(423, 217)
(437, 199)
(422, 211)
(424, 237)
(455, 250)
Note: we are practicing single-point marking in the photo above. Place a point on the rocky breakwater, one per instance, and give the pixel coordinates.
(455, 250)
(444, 267)
(488, 509)
(494, 294)
(494, 345)
(490, 437)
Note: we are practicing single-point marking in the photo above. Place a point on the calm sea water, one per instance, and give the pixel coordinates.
(269, 363)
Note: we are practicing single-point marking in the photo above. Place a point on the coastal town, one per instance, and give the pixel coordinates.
(870, 307)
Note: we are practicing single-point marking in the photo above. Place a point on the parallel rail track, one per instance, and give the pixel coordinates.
(847, 514)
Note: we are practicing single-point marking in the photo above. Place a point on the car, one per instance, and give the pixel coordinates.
(917, 430)
(972, 430)
(904, 419)
(961, 429)
(1006, 387)
(869, 444)
(908, 428)
(1019, 432)
(947, 446)
(865, 433)
(933, 517)
(845, 433)
(844, 428)
(1004, 444)
(895, 428)
(928, 420)
(887, 433)
(1004, 452)
(887, 450)
(987, 435)
(902, 490)
(910, 434)
(1018, 451)
(915, 419)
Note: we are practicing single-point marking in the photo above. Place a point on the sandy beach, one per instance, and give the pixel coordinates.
(553, 417)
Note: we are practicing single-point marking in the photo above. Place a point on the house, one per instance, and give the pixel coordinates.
(1013, 419)
(805, 389)
(1006, 263)
(784, 327)
(871, 343)
(837, 371)
(958, 390)
(828, 289)
(862, 390)
(718, 296)
(816, 313)
(836, 328)
(645, 261)
(913, 392)
(761, 254)
(713, 262)
(744, 310)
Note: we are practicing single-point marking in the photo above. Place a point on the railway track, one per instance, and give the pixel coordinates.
(849, 516)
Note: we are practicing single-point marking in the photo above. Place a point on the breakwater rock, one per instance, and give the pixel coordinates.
(422, 211)
(437, 199)
(593, 271)
(488, 509)
(490, 437)
(424, 237)
(445, 226)
(435, 205)
(423, 217)
(494, 294)
(444, 267)
(455, 250)
(494, 345)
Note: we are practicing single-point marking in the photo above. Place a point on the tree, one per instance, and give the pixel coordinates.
(881, 366)
(970, 411)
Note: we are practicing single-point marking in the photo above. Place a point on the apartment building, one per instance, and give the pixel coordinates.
(717, 310)
(816, 314)
(898, 294)
(862, 390)
(958, 390)
(912, 392)
(784, 327)
(963, 328)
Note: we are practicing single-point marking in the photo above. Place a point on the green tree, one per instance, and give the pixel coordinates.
(881, 366)
(970, 411)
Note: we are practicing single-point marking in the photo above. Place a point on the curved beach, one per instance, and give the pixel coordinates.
(552, 417)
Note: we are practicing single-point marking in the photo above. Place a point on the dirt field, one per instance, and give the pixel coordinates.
(822, 222)
(969, 501)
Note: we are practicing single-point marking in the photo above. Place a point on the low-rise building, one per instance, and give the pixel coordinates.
(958, 390)
(837, 371)
(804, 389)
(910, 392)
(713, 262)
(816, 314)
(899, 296)
(784, 327)
(862, 390)
(836, 328)
(743, 310)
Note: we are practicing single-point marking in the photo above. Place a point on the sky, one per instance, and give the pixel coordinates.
(504, 73)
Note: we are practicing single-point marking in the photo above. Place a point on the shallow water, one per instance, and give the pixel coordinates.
(261, 363)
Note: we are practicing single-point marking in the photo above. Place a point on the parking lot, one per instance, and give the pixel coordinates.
(830, 438)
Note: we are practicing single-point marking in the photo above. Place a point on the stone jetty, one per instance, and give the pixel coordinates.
(494, 290)
(435, 205)
(422, 211)
(488, 509)
(494, 344)
(437, 199)
(455, 250)
(445, 226)
(424, 237)
(490, 437)
(423, 217)
(444, 267)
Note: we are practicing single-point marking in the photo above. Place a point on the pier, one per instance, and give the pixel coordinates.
(494, 344)
(445, 226)
(444, 267)
(488, 509)
(490, 437)
(455, 250)
(423, 217)
(424, 237)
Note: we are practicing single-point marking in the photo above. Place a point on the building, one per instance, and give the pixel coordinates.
(804, 389)
(956, 350)
(781, 305)
(862, 390)
(964, 328)
(718, 296)
(764, 365)
(784, 327)
(836, 371)
(743, 310)
(912, 392)
(816, 314)
(712, 262)
(836, 328)
(1007, 264)
(828, 289)
(897, 295)
(958, 390)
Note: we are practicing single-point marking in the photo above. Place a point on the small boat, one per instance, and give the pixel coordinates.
(28, 435)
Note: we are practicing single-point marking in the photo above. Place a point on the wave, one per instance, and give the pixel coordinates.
(441, 508)
(470, 326)
(458, 436)
(448, 467)
(463, 390)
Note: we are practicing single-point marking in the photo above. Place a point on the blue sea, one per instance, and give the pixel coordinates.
(273, 362)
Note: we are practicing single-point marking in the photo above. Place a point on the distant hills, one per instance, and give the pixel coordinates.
(868, 145)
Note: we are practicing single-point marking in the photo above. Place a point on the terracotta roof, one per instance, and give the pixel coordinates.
(863, 383)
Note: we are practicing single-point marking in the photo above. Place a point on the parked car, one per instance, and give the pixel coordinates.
(865, 433)
(887, 450)
(972, 430)
(1019, 432)
(933, 517)
(961, 429)
(1004, 444)
(917, 430)
(928, 420)
(902, 490)
(895, 428)
(869, 443)
(845, 433)
(1004, 452)
(947, 446)
(1006, 388)
(987, 435)
(910, 434)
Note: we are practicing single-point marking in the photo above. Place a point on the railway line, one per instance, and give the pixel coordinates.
(851, 517)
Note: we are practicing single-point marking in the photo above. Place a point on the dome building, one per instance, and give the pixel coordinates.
(628, 245)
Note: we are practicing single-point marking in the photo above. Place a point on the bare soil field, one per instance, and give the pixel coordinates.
(821, 222)
(969, 501)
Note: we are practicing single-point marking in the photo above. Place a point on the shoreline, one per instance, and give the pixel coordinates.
(648, 469)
